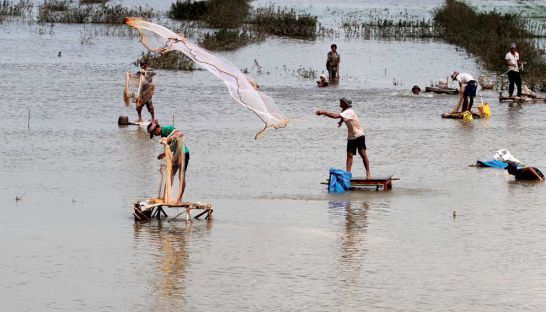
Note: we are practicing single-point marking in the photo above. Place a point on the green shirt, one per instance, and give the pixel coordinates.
(166, 131)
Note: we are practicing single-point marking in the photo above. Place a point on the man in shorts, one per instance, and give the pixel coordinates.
(146, 90)
(468, 86)
(173, 137)
(356, 141)
(332, 63)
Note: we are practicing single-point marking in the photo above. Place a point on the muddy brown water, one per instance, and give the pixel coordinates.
(279, 241)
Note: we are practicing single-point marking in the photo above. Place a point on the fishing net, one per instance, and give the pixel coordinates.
(243, 90)
(139, 87)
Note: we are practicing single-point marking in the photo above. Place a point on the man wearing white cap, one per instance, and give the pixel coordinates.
(468, 86)
(355, 134)
(514, 75)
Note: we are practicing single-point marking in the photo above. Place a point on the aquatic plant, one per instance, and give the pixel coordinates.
(170, 60)
(56, 5)
(217, 13)
(9, 8)
(284, 22)
(225, 39)
(458, 24)
(186, 10)
(106, 14)
(93, 1)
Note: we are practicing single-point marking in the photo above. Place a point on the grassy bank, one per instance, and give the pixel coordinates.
(55, 11)
(488, 36)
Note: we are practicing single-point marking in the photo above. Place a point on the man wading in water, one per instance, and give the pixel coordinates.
(332, 63)
(146, 91)
(355, 134)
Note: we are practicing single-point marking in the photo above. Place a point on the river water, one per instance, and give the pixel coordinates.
(279, 241)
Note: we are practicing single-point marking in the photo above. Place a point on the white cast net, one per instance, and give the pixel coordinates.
(243, 90)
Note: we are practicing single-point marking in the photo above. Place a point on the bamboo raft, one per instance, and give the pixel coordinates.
(522, 99)
(152, 208)
(459, 115)
(148, 210)
(384, 183)
(442, 90)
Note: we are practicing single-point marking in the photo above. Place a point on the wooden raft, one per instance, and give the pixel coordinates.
(522, 99)
(442, 90)
(459, 115)
(145, 211)
(385, 183)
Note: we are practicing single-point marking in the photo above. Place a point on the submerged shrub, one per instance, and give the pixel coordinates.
(169, 60)
(106, 14)
(217, 13)
(285, 22)
(225, 39)
(488, 35)
(186, 10)
(9, 8)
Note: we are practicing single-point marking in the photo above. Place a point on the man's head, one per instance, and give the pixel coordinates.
(513, 47)
(454, 75)
(333, 47)
(322, 77)
(415, 90)
(512, 167)
(345, 103)
(143, 64)
(154, 128)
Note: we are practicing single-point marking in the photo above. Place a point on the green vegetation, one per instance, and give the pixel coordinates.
(388, 28)
(56, 5)
(93, 1)
(216, 13)
(9, 8)
(186, 10)
(284, 22)
(169, 60)
(226, 39)
(230, 14)
(488, 35)
(105, 14)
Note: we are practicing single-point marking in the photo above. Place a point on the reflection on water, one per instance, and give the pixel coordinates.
(168, 243)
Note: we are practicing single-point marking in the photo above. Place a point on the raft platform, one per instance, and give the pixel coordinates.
(442, 90)
(383, 183)
(459, 115)
(143, 211)
(522, 99)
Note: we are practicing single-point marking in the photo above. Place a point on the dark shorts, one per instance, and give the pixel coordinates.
(470, 89)
(186, 161)
(354, 145)
(149, 105)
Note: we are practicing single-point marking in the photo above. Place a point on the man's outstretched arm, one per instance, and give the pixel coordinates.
(328, 114)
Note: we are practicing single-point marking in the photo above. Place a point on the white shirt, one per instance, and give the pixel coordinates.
(464, 78)
(354, 129)
(512, 61)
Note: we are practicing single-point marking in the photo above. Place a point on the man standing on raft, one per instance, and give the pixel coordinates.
(355, 134)
(174, 138)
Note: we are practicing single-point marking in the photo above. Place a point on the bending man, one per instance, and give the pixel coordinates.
(173, 137)
(355, 134)
(468, 86)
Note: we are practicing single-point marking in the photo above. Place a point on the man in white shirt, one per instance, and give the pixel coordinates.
(355, 134)
(468, 86)
(512, 62)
